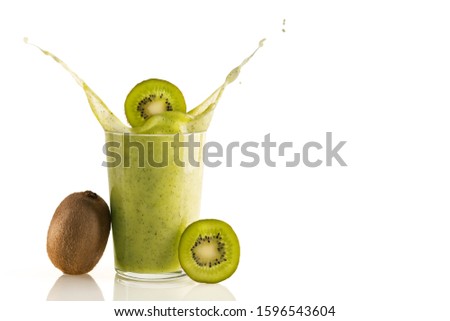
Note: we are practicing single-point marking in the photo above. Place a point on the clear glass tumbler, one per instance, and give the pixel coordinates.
(155, 184)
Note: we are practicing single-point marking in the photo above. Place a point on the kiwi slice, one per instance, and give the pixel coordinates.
(209, 251)
(151, 97)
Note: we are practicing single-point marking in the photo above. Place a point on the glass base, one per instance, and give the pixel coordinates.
(155, 277)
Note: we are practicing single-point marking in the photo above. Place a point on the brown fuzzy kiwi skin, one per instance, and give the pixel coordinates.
(78, 233)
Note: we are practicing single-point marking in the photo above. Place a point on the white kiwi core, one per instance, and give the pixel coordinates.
(155, 107)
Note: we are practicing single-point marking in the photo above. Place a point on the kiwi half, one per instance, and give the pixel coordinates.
(209, 251)
(151, 97)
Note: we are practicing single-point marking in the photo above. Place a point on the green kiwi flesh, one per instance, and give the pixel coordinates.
(209, 251)
(151, 97)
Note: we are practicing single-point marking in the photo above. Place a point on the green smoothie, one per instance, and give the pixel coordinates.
(153, 198)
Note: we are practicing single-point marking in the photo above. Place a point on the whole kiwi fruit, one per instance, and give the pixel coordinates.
(78, 232)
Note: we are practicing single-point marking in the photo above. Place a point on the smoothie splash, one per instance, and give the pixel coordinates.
(197, 120)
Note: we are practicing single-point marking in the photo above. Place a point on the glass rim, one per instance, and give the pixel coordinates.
(153, 135)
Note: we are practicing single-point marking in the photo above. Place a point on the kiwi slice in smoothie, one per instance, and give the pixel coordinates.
(151, 97)
(209, 251)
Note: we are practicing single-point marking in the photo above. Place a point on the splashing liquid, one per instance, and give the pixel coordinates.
(202, 114)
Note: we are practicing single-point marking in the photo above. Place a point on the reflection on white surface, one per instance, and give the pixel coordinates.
(209, 292)
(75, 288)
(182, 289)
(170, 290)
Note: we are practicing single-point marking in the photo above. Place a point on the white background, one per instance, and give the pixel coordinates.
(371, 238)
